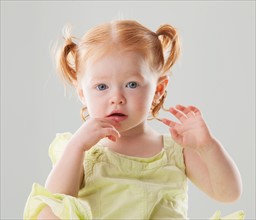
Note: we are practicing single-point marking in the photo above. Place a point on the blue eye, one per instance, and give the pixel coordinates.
(101, 87)
(132, 85)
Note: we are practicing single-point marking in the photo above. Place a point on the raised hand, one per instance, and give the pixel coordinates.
(191, 130)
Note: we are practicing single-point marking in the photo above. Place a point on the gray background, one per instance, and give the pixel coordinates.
(216, 72)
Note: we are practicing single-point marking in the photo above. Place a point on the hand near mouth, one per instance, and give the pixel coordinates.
(93, 130)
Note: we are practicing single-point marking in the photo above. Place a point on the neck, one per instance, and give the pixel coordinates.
(139, 130)
(143, 142)
(131, 136)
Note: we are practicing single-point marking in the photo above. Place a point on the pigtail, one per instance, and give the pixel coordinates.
(169, 38)
(67, 59)
(170, 45)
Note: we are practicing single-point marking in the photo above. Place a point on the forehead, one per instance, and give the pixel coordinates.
(116, 63)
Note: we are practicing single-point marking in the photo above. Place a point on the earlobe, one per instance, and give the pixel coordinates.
(80, 94)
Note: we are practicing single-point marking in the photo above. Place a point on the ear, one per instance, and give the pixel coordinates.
(80, 94)
(161, 85)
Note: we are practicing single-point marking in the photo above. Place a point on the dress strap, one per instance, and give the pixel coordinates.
(174, 152)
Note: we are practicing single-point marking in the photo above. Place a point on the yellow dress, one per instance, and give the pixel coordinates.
(117, 186)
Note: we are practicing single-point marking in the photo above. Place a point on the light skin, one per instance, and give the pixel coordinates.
(116, 87)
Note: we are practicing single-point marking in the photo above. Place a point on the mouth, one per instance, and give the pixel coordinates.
(117, 116)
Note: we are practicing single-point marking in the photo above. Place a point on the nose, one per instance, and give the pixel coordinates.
(117, 98)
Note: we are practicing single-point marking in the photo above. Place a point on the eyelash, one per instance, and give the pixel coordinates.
(129, 83)
(103, 86)
(100, 89)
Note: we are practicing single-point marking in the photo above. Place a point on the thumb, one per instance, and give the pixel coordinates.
(176, 137)
(112, 138)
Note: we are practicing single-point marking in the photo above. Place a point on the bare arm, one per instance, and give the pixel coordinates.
(208, 165)
(47, 214)
(67, 175)
(214, 172)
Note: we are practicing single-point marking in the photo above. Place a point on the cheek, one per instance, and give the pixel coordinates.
(143, 100)
(94, 105)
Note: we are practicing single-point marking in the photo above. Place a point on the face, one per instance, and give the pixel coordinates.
(119, 86)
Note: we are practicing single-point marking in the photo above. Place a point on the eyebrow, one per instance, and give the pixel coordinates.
(104, 76)
(136, 74)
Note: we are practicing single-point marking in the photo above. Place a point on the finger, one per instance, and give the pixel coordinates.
(195, 110)
(108, 122)
(111, 132)
(112, 138)
(187, 110)
(168, 122)
(191, 114)
(179, 115)
(107, 125)
(181, 107)
(176, 137)
(184, 109)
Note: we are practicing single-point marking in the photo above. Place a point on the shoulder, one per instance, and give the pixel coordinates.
(175, 152)
(57, 146)
(95, 153)
(59, 143)
(171, 145)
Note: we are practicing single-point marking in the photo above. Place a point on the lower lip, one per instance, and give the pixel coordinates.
(118, 118)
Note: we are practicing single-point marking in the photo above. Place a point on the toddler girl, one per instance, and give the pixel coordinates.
(115, 166)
